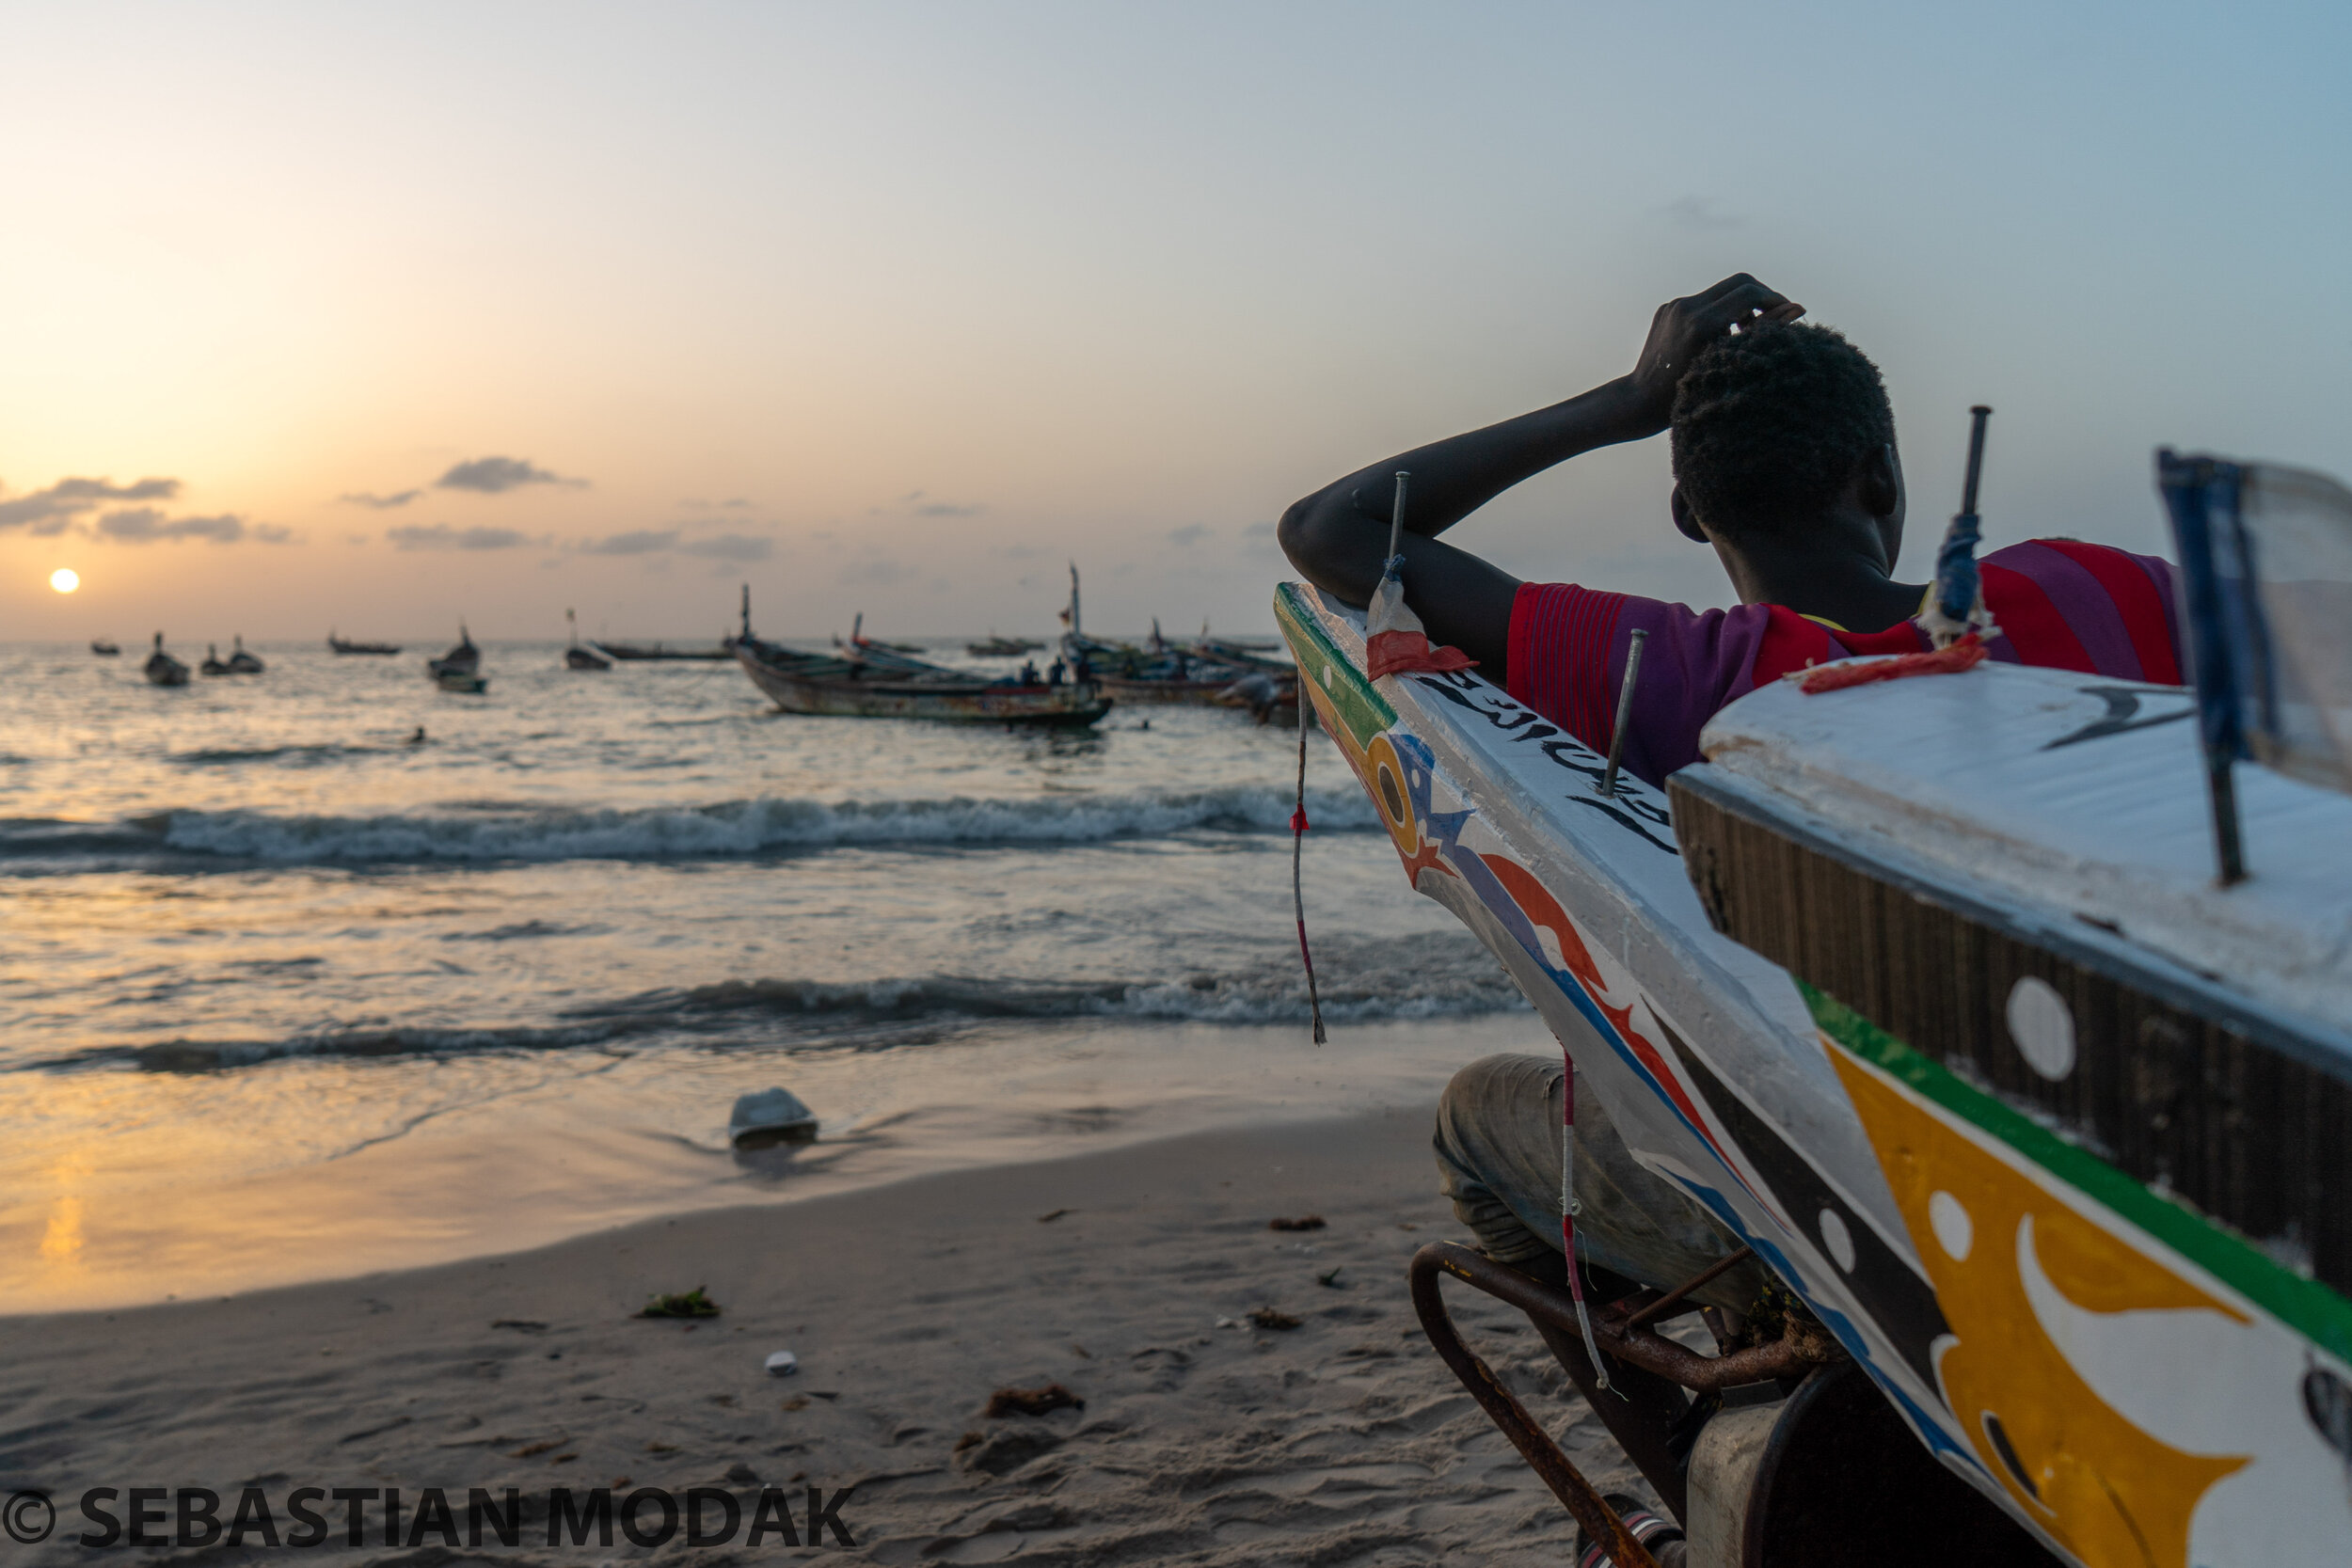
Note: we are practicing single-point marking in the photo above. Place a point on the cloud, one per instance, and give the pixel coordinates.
(644, 540)
(658, 541)
(492, 476)
(733, 503)
(145, 525)
(380, 504)
(730, 546)
(48, 512)
(440, 536)
(949, 509)
(1191, 533)
(1700, 213)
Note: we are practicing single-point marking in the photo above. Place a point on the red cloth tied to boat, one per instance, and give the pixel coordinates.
(1404, 653)
(1966, 654)
(1396, 643)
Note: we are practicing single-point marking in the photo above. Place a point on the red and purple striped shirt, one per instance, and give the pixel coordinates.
(2058, 602)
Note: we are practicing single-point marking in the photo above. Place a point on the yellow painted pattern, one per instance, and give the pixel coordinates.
(2115, 1496)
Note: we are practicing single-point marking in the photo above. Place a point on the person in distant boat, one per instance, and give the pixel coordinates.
(1055, 672)
(1028, 672)
(1785, 464)
(417, 738)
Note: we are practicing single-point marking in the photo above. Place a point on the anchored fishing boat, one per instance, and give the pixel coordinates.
(994, 646)
(340, 646)
(105, 647)
(583, 655)
(164, 670)
(869, 681)
(213, 664)
(1927, 990)
(460, 669)
(242, 662)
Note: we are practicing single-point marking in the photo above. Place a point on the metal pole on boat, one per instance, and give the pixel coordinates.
(1394, 565)
(1625, 711)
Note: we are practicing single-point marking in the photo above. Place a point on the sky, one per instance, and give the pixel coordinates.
(378, 317)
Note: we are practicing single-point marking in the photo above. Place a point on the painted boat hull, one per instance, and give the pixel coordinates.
(885, 697)
(2169, 1408)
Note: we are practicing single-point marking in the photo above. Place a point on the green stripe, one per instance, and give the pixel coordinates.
(1363, 710)
(2305, 1304)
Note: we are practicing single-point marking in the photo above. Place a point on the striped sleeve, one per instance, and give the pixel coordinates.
(1567, 657)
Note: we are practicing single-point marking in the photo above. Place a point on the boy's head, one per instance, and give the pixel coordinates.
(1779, 428)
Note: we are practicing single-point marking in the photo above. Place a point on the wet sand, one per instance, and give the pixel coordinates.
(1341, 1440)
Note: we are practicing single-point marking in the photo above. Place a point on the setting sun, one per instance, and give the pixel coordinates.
(65, 580)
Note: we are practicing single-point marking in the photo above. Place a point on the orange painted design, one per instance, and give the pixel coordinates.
(2117, 1495)
(1536, 902)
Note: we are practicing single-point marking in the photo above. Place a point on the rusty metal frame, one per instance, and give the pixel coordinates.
(1622, 1332)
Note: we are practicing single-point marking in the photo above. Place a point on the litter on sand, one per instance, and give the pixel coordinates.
(1267, 1317)
(783, 1363)
(770, 1117)
(1304, 1222)
(690, 1304)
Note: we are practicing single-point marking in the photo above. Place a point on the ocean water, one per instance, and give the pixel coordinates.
(288, 995)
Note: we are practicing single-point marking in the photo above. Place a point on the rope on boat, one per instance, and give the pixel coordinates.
(1568, 1218)
(1298, 844)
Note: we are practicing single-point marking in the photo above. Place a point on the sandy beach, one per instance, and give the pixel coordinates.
(1203, 1438)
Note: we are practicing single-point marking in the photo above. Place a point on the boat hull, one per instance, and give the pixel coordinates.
(2081, 1342)
(886, 698)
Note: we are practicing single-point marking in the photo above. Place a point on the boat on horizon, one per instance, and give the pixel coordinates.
(164, 670)
(460, 669)
(633, 652)
(242, 662)
(583, 655)
(1002, 648)
(213, 664)
(340, 646)
(105, 648)
(872, 681)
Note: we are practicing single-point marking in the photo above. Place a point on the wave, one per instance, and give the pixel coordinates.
(758, 826)
(299, 756)
(1361, 980)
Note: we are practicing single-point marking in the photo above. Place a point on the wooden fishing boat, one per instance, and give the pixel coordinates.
(852, 686)
(583, 655)
(635, 653)
(994, 646)
(213, 664)
(105, 648)
(2047, 1132)
(242, 662)
(164, 670)
(460, 669)
(341, 645)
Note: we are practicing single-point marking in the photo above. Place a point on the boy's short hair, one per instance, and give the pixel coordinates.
(1770, 425)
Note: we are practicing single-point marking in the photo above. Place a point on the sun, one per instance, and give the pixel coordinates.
(65, 580)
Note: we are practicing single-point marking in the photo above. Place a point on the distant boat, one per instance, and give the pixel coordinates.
(460, 669)
(633, 652)
(105, 648)
(164, 670)
(337, 645)
(213, 664)
(1002, 648)
(858, 640)
(242, 663)
(463, 659)
(583, 655)
(867, 681)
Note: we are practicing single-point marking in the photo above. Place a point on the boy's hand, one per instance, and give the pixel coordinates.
(1684, 327)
